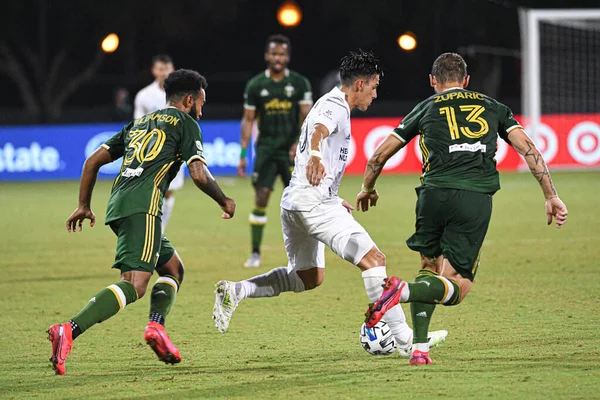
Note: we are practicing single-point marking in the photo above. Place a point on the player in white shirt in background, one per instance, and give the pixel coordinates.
(152, 98)
(314, 216)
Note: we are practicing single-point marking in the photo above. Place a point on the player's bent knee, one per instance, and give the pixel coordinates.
(361, 251)
(311, 278)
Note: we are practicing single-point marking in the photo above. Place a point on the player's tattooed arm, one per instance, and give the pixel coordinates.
(390, 146)
(555, 208)
(204, 180)
(368, 196)
(523, 144)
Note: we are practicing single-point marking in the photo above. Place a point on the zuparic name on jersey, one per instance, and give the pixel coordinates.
(159, 117)
(458, 95)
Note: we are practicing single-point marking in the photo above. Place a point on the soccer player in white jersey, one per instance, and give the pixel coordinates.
(152, 98)
(314, 216)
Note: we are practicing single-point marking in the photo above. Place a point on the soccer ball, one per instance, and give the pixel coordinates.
(378, 340)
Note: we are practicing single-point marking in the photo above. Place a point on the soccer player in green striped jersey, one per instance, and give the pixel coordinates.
(153, 148)
(458, 130)
(279, 100)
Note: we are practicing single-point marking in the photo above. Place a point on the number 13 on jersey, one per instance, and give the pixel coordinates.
(474, 116)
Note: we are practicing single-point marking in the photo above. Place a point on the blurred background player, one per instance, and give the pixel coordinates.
(280, 99)
(152, 98)
(458, 131)
(172, 136)
(314, 216)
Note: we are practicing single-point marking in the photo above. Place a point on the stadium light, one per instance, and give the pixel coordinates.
(110, 43)
(289, 14)
(407, 41)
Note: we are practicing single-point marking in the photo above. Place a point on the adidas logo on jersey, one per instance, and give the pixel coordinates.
(264, 93)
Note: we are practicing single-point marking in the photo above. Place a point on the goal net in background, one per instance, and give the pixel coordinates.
(561, 84)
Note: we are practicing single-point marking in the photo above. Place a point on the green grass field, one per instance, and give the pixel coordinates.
(530, 328)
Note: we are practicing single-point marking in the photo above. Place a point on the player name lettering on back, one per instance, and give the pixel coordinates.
(159, 117)
(467, 147)
(129, 172)
(458, 95)
(343, 154)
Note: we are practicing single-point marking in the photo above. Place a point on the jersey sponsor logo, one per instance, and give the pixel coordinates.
(33, 158)
(475, 147)
(343, 154)
(458, 95)
(289, 90)
(276, 105)
(264, 93)
(132, 172)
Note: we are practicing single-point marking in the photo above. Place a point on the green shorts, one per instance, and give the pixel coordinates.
(268, 164)
(452, 223)
(140, 243)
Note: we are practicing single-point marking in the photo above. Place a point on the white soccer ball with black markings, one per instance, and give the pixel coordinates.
(378, 340)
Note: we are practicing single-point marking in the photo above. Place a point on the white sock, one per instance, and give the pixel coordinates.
(167, 210)
(395, 318)
(424, 347)
(270, 284)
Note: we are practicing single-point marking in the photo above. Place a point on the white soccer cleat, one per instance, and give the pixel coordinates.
(225, 304)
(435, 338)
(404, 348)
(253, 261)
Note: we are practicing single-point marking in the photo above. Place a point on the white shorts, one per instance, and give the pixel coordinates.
(177, 182)
(306, 233)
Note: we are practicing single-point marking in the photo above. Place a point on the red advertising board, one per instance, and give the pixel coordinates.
(566, 141)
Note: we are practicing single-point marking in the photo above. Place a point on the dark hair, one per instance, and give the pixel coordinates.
(278, 39)
(449, 67)
(359, 64)
(184, 82)
(162, 58)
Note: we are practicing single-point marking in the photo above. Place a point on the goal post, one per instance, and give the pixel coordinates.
(560, 52)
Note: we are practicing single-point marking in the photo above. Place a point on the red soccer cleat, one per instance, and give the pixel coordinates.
(420, 358)
(157, 338)
(389, 298)
(61, 337)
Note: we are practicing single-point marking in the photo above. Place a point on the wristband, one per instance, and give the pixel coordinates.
(368, 190)
(315, 153)
(243, 153)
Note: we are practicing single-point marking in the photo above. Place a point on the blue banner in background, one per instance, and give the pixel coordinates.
(51, 152)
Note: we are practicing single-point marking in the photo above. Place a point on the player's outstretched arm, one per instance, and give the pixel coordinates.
(532, 156)
(247, 122)
(205, 182)
(368, 195)
(89, 174)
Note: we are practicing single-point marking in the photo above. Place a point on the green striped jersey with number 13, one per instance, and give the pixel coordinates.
(153, 148)
(458, 131)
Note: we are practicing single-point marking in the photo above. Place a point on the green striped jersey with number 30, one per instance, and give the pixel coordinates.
(153, 148)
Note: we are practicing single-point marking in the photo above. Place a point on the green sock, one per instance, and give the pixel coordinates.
(258, 220)
(421, 316)
(431, 288)
(162, 299)
(105, 304)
